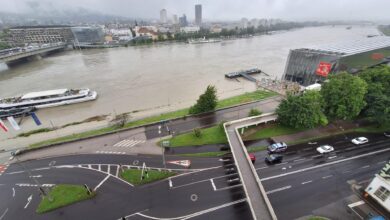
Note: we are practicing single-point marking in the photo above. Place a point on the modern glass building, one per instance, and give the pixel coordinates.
(309, 65)
(88, 35)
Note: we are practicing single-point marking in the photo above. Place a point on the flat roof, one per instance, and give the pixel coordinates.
(44, 93)
(354, 46)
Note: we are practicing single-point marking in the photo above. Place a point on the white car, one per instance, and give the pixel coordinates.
(359, 140)
(325, 149)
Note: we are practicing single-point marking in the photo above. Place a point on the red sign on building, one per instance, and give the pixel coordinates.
(323, 69)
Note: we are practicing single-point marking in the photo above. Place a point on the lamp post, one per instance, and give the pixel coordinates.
(41, 189)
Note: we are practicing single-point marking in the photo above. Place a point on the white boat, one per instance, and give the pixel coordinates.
(203, 40)
(49, 98)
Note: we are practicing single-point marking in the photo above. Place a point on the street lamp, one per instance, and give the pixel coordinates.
(15, 154)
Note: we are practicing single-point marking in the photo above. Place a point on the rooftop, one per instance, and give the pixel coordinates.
(353, 47)
(44, 93)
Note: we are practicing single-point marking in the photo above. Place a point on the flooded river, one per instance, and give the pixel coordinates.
(159, 78)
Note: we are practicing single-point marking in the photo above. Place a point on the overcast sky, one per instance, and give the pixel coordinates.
(219, 9)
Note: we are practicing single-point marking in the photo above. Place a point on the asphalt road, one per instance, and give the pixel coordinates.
(303, 184)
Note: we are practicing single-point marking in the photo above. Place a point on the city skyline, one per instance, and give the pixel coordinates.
(216, 10)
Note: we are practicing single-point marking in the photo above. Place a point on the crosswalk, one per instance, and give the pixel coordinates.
(3, 168)
(128, 143)
(109, 152)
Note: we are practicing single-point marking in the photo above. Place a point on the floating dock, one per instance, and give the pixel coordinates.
(245, 73)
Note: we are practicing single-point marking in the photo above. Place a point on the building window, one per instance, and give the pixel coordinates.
(382, 193)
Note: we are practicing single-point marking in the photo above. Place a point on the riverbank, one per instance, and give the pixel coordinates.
(94, 128)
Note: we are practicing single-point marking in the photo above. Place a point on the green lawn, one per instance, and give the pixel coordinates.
(133, 176)
(272, 131)
(63, 195)
(212, 135)
(317, 218)
(247, 97)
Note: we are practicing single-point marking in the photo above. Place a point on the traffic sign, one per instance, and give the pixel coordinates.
(184, 163)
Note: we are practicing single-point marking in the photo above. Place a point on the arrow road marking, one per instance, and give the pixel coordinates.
(28, 201)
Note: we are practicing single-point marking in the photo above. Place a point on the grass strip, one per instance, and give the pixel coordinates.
(63, 195)
(133, 176)
(273, 131)
(212, 135)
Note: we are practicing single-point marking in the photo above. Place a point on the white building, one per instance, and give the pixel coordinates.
(379, 188)
(163, 16)
(189, 29)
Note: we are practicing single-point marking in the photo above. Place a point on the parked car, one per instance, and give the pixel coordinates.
(323, 149)
(277, 147)
(359, 140)
(274, 158)
(252, 157)
(387, 133)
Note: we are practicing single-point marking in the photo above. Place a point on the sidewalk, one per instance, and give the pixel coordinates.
(331, 129)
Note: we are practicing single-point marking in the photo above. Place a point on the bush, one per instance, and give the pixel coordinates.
(254, 112)
(197, 132)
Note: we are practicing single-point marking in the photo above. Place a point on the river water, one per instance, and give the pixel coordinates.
(162, 77)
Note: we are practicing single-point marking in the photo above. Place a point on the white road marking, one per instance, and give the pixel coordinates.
(101, 183)
(16, 172)
(170, 183)
(229, 187)
(358, 203)
(117, 171)
(37, 176)
(326, 177)
(260, 168)
(13, 192)
(281, 163)
(28, 201)
(108, 169)
(326, 164)
(212, 183)
(367, 166)
(278, 189)
(299, 160)
(5, 212)
(303, 183)
(382, 162)
(332, 157)
(128, 143)
(193, 214)
(44, 168)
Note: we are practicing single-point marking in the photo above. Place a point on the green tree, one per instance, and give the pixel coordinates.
(378, 94)
(206, 102)
(305, 111)
(344, 96)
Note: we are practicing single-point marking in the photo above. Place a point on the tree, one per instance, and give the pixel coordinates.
(206, 102)
(378, 94)
(344, 96)
(305, 111)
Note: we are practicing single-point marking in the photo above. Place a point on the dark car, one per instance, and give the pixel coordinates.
(277, 147)
(274, 158)
(387, 133)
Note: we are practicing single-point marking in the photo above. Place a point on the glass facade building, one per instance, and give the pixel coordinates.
(303, 64)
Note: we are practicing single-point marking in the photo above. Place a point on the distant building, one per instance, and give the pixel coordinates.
(379, 188)
(39, 35)
(146, 32)
(175, 20)
(309, 65)
(183, 21)
(163, 16)
(244, 23)
(122, 34)
(198, 15)
(192, 29)
(88, 35)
